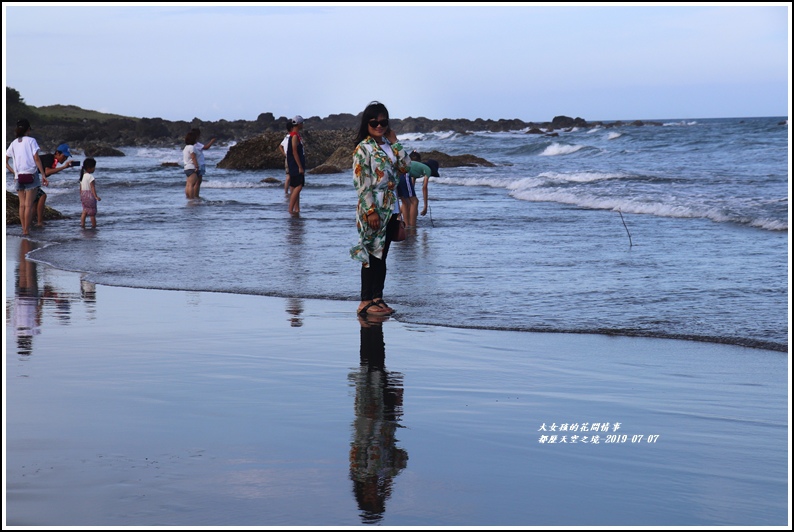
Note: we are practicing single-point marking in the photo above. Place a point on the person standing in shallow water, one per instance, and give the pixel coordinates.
(378, 161)
(190, 160)
(296, 164)
(88, 195)
(193, 159)
(24, 151)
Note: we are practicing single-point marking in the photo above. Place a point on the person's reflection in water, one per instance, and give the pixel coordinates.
(27, 303)
(295, 309)
(88, 294)
(375, 458)
(62, 302)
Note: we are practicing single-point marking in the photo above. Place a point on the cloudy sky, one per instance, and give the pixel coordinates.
(509, 60)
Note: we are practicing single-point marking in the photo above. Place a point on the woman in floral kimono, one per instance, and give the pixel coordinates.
(378, 161)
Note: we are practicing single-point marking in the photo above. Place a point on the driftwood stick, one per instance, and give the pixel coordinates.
(627, 229)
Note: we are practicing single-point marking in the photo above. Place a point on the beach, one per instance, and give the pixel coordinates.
(144, 407)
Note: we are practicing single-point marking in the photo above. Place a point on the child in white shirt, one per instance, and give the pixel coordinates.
(88, 195)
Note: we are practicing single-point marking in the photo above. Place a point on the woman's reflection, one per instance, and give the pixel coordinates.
(295, 309)
(88, 294)
(27, 303)
(375, 458)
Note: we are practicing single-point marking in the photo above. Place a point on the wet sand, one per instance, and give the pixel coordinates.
(132, 407)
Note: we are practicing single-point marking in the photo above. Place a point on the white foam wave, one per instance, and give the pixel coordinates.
(443, 135)
(581, 177)
(561, 149)
(614, 135)
(681, 123)
(769, 225)
(160, 154)
(410, 137)
(524, 183)
(632, 206)
(493, 182)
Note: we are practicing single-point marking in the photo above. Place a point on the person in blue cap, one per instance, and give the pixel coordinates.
(53, 163)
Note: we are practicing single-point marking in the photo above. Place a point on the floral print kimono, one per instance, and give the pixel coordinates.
(375, 178)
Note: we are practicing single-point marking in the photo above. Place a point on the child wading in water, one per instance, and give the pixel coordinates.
(88, 195)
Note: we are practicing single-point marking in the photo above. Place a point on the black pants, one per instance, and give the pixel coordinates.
(374, 278)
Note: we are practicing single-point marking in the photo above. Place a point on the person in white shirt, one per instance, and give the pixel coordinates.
(88, 195)
(28, 172)
(193, 159)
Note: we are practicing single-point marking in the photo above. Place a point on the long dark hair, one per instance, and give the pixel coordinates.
(88, 163)
(371, 112)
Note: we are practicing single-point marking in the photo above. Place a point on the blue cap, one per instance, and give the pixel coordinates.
(64, 149)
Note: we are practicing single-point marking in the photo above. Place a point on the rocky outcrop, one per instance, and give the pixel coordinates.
(261, 152)
(94, 133)
(12, 210)
(99, 149)
(340, 161)
(451, 161)
(327, 152)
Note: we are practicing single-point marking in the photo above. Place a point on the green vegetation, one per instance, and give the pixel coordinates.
(72, 112)
(16, 108)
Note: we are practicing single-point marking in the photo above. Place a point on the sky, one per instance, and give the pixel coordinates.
(533, 62)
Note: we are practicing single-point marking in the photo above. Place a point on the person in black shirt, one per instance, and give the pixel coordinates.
(50, 162)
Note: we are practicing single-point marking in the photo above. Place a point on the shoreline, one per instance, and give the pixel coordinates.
(610, 333)
(179, 408)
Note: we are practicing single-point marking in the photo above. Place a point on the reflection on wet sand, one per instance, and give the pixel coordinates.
(27, 303)
(295, 309)
(375, 458)
(31, 300)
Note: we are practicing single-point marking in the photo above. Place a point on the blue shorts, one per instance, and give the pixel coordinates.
(30, 186)
(200, 172)
(405, 188)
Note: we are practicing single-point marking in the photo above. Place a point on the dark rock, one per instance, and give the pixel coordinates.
(170, 164)
(564, 122)
(257, 153)
(97, 149)
(261, 152)
(12, 210)
(341, 158)
(325, 169)
(450, 161)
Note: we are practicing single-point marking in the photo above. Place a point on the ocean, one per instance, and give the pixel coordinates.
(672, 231)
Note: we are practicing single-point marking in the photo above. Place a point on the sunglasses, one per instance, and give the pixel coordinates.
(382, 123)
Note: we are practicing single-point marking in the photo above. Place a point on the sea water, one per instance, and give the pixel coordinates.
(678, 230)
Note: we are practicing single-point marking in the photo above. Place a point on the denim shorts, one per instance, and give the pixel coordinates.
(201, 171)
(30, 186)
